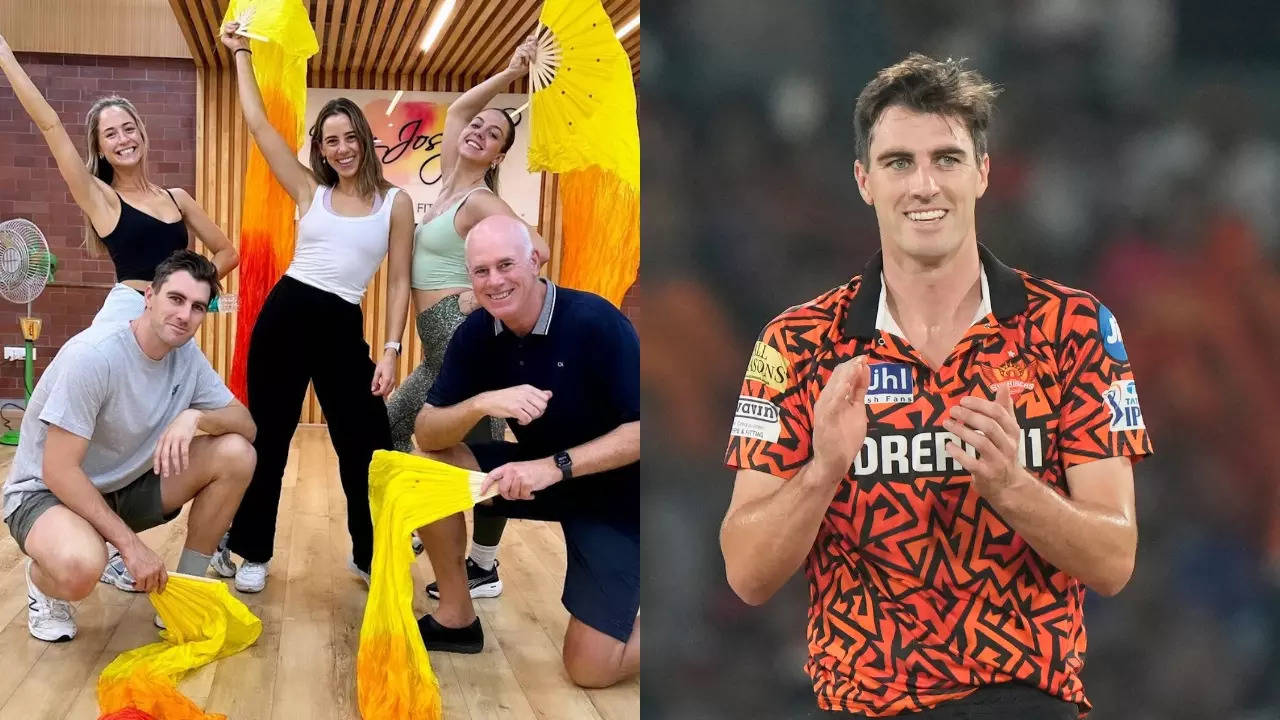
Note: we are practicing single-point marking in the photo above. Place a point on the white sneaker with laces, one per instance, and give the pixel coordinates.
(222, 563)
(48, 619)
(115, 573)
(251, 577)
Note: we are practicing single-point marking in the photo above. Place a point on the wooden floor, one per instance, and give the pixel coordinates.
(303, 666)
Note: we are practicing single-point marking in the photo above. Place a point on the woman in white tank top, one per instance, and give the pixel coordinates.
(311, 328)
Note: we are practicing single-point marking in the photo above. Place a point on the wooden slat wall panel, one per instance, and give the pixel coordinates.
(130, 28)
(366, 45)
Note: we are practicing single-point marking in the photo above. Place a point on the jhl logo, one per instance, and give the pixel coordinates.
(768, 366)
(1122, 401)
(890, 383)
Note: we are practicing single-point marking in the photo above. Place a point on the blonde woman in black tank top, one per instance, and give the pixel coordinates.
(137, 222)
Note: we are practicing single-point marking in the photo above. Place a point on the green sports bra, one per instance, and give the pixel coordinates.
(438, 258)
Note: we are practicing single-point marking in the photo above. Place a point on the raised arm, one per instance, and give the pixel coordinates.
(296, 179)
(473, 101)
(225, 257)
(94, 197)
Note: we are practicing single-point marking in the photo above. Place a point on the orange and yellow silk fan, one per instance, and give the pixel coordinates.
(204, 623)
(281, 38)
(394, 680)
(583, 126)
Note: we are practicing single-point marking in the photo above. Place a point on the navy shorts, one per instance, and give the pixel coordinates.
(602, 580)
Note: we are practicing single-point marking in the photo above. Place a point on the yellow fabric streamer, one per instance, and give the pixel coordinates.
(281, 38)
(394, 680)
(205, 623)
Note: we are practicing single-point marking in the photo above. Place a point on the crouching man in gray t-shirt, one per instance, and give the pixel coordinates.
(108, 448)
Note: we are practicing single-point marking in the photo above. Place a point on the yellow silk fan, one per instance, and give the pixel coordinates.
(583, 126)
(394, 680)
(584, 102)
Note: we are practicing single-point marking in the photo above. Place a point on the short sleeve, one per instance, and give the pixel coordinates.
(79, 389)
(211, 393)
(772, 428)
(1100, 415)
(618, 363)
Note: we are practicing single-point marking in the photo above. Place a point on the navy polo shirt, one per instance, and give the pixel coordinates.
(582, 349)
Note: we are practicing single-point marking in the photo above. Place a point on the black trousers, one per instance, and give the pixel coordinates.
(1004, 701)
(306, 334)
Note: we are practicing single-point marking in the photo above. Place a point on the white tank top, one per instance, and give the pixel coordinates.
(340, 254)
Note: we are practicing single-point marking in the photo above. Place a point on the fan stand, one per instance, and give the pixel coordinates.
(30, 333)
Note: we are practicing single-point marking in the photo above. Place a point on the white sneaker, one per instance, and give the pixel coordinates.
(159, 623)
(251, 577)
(115, 573)
(222, 563)
(48, 619)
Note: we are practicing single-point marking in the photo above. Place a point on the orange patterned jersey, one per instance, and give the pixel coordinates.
(919, 592)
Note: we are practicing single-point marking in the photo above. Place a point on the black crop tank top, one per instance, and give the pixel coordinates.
(140, 242)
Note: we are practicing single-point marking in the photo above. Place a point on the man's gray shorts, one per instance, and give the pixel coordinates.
(139, 504)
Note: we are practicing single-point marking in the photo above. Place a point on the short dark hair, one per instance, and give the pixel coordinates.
(196, 265)
(925, 85)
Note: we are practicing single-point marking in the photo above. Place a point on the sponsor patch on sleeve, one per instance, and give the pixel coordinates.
(1122, 401)
(1112, 341)
(756, 418)
(891, 383)
(768, 366)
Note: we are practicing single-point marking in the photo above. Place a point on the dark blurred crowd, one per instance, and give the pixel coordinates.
(1135, 153)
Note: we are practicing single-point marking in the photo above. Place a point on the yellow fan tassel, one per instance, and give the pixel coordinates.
(394, 680)
(205, 623)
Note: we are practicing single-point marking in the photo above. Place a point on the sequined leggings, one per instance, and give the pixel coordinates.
(436, 325)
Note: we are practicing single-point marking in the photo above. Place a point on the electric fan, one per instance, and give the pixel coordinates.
(26, 266)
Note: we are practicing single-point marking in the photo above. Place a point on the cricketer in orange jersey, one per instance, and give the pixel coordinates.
(944, 443)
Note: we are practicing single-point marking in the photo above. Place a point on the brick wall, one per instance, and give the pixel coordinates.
(164, 91)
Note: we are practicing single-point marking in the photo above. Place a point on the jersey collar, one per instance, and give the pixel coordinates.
(1003, 294)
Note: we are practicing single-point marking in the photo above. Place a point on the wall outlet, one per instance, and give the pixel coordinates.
(17, 353)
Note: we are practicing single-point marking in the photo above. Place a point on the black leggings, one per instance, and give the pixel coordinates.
(306, 334)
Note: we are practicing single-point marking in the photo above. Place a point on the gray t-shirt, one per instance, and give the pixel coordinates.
(102, 387)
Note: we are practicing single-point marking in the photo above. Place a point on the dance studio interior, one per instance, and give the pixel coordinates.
(292, 646)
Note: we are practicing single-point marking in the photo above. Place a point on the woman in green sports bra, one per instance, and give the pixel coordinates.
(475, 141)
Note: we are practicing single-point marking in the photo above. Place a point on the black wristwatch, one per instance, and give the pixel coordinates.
(565, 464)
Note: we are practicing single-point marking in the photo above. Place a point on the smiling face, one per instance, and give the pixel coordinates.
(923, 179)
(504, 272)
(176, 309)
(120, 137)
(340, 145)
(486, 139)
